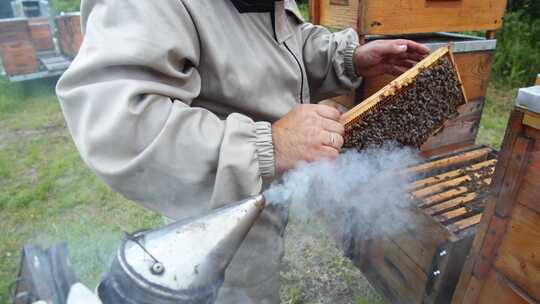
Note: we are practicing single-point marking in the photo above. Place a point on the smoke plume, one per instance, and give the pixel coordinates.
(351, 193)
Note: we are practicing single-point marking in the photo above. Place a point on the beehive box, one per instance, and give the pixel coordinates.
(69, 33)
(504, 264)
(376, 17)
(17, 52)
(420, 261)
(410, 108)
(40, 33)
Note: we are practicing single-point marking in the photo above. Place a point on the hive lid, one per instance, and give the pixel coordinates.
(529, 98)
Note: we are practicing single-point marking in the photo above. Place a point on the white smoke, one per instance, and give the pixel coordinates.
(351, 192)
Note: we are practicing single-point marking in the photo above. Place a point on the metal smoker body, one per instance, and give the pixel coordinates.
(184, 262)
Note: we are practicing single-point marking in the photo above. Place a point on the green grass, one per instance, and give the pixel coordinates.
(48, 194)
(499, 103)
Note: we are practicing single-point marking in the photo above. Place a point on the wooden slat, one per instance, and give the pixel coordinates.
(452, 215)
(466, 223)
(418, 194)
(455, 215)
(451, 204)
(421, 193)
(442, 197)
(519, 254)
(449, 175)
(478, 154)
(445, 196)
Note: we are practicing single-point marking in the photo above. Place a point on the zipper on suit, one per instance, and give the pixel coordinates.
(301, 72)
(273, 19)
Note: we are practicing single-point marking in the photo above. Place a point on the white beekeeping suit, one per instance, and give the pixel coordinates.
(171, 102)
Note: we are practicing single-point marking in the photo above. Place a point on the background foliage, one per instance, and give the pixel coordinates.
(517, 60)
(65, 5)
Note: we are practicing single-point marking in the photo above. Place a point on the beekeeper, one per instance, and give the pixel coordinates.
(186, 105)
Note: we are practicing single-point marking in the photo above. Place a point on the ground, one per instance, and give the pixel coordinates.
(47, 193)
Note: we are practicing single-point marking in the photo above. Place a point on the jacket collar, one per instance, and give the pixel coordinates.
(254, 6)
(278, 10)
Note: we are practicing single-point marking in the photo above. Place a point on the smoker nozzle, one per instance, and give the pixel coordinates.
(183, 262)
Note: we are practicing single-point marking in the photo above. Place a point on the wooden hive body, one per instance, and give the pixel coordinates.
(375, 17)
(504, 263)
(69, 33)
(387, 95)
(16, 49)
(422, 263)
(40, 32)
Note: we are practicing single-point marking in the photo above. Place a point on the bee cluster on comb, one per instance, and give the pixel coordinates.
(410, 109)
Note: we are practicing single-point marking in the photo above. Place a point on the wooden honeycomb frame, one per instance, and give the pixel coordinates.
(379, 98)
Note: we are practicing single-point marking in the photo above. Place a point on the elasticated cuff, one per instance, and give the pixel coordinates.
(265, 148)
(348, 60)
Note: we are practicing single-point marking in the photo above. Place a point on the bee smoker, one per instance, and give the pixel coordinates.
(180, 263)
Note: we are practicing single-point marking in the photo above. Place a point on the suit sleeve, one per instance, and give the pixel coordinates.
(328, 58)
(127, 102)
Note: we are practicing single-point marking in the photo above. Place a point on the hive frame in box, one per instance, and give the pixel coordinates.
(378, 99)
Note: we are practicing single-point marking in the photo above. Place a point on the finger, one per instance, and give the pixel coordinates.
(413, 47)
(391, 47)
(338, 142)
(328, 112)
(331, 139)
(327, 152)
(333, 126)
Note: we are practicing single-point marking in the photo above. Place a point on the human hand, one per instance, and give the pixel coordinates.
(387, 57)
(307, 133)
